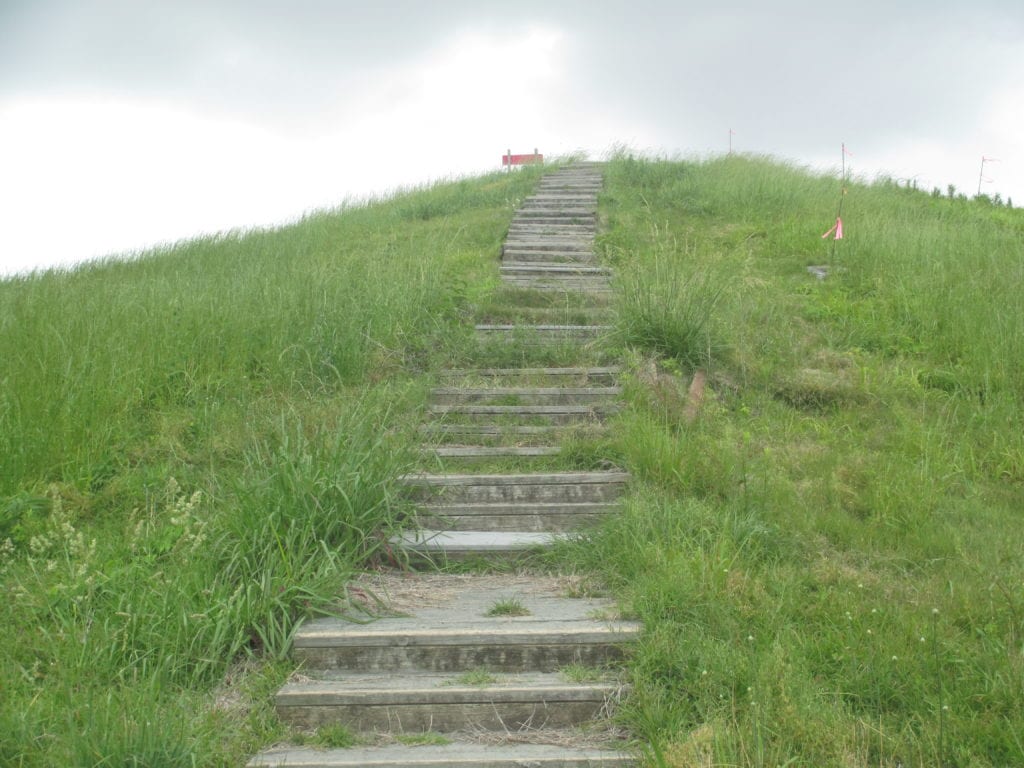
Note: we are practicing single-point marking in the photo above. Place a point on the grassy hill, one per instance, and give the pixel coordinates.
(199, 446)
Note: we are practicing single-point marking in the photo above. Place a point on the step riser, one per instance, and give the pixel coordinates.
(469, 494)
(569, 377)
(565, 286)
(551, 244)
(532, 523)
(592, 416)
(518, 269)
(545, 398)
(488, 716)
(489, 453)
(437, 757)
(551, 257)
(541, 657)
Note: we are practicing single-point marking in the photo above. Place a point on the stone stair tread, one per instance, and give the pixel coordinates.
(475, 542)
(512, 327)
(411, 686)
(555, 269)
(568, 371)
(523, 507)
(500, 391)
(512, 409)
(493, 430)
(454, 755)
(527, 478)
(461, 630)
(491, 451)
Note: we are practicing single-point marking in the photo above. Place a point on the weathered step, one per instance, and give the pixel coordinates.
(552, 256)
(555, 517)
(570, 244)
(606, 374)
(526, 395)
(552, 229)
(434, 547)
(509, 267)
(544, 214)
(490, 430)
(542, 333)
(597, 315)
(484, 452)
(463, 639)
(542, 230)
(595, 285)
(455, 755)
(545, 208)
(549, 414)
(439, 703)
(548, 487)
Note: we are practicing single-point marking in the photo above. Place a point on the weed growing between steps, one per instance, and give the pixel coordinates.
(827, 559)
(269, 375)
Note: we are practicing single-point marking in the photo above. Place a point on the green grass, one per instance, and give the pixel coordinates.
(508, 607)
(827, 558)
(198, 447)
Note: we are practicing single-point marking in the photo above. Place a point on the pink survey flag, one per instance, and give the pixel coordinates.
(837, 228)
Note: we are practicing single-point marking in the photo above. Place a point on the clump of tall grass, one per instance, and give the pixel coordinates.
(665, 308)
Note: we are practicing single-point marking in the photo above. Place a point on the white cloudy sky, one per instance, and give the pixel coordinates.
(125, 123)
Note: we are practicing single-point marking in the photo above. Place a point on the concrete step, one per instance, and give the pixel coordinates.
(553, 207)
(526, 395)
(548, 414)
(550, 637)
(537, 517)
(571, 375)
(509, 267)
(533, 335)
(487, 452)
(595, 285)
(545, 214)
(443, 703)
(558, 231)
(496, 431)
(546, 487)
(550, 256)
(455, 755)
(565, 244)
(597, 315)
(438, 547)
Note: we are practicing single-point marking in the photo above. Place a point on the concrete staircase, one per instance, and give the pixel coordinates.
(517, 669)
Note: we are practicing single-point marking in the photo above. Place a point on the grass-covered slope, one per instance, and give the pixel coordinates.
(196, 448)
(829, 557)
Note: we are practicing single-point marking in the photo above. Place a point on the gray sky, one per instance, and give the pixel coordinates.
(125, 124)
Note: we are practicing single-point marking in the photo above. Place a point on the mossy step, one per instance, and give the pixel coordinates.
(607, 373)
(438, 546)
(547, 487)
(455, 755)
(541, 334)
(571, 244)
(480, 452)
(509, 267)
(526, 395)
(463, 639)
(443, 703)
(596, 285)
(549, 414)
(536, 517)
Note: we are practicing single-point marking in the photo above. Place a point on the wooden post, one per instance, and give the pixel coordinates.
(510, 160)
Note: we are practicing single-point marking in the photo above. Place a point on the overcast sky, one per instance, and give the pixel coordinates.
(126, 124)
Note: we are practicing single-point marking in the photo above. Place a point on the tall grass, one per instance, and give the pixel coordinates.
(197, 448)
(826, 558)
